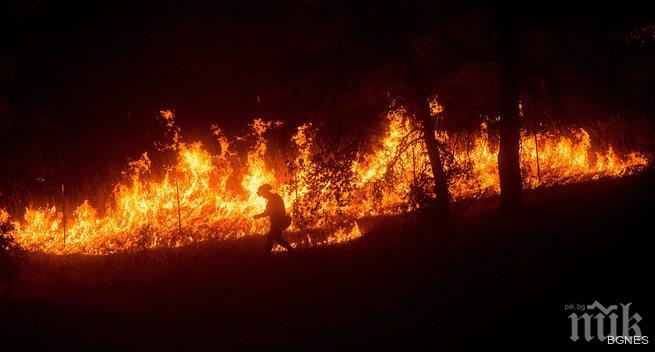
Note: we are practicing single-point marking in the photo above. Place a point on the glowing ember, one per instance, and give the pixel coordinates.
(388, 180)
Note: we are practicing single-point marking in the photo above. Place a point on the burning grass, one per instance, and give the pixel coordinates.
(213, 195)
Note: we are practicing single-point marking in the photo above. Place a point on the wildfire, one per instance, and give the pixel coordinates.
(197, 199)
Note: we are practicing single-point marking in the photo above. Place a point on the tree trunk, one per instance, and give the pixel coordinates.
(509, 170)
(417, 96)
(440, 182)
(419, 99)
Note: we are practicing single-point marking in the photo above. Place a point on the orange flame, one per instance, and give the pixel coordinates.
(145, 211)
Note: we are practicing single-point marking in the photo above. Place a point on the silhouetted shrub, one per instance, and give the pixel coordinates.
(11, 256)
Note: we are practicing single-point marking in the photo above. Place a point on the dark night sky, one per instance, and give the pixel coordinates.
(101, 60)
(92, 62)
(90, 77)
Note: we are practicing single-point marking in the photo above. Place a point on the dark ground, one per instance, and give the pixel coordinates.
(495, 280)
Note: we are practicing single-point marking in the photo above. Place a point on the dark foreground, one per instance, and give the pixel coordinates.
(494, 280)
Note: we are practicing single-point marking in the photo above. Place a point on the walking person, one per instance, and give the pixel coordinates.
(277, 213)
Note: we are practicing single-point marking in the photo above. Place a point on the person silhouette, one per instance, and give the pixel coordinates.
(277, 213)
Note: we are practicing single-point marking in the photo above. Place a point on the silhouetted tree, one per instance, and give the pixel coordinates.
(419, 101)
(405, 25)
(509, 170)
